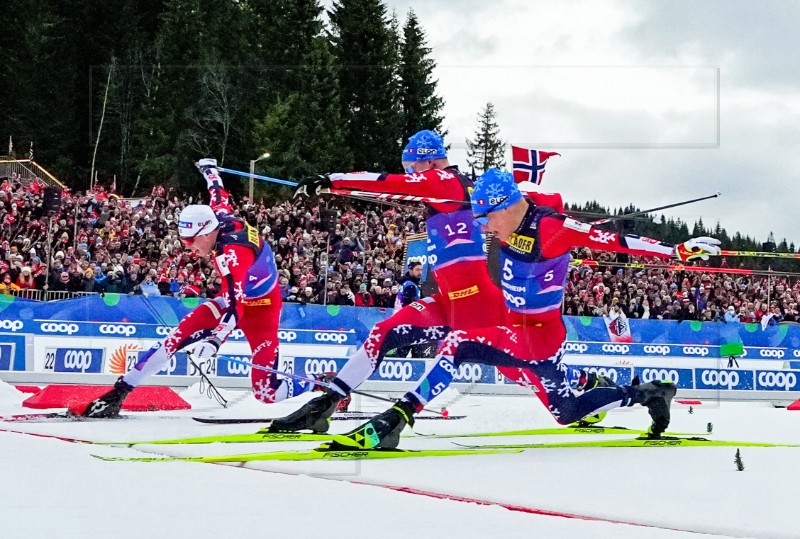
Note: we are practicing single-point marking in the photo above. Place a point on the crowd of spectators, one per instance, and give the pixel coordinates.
(601, 289)
(102, 243)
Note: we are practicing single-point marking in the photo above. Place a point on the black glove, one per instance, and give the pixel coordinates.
(312, 186)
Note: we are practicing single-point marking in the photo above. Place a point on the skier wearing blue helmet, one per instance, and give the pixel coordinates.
(536, 243)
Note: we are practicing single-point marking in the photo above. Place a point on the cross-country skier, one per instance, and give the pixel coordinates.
(456, 251)
(249, 299)
(535, 255)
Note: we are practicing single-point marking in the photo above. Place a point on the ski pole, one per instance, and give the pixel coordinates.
(759, 254)
(326, 385)
(359, 195)
(634, 214)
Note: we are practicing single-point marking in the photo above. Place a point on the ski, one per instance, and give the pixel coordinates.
(261, 436)
(667, 441)
(49, 417)
(554, 431)
(346, 416)
(321, 453)
(264, 435)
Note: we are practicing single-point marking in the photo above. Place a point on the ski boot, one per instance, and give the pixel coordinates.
(657, 396)
(380, 432)
(590, 380)
(108, 405)
(314, 415)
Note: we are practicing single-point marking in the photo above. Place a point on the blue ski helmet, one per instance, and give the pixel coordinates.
(494, 190)
(423, 146)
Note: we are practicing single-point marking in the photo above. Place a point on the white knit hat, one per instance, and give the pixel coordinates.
(197, 219)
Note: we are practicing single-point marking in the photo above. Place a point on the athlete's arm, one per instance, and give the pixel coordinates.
(560, 234)
(219, 197)
(233, 264)
(433, 183)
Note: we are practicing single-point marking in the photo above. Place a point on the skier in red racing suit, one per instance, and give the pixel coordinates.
(249, 299)
(457, 256)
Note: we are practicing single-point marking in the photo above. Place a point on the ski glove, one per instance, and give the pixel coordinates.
(206, 349)
(695, 248)
(206, 163)
(313, 186)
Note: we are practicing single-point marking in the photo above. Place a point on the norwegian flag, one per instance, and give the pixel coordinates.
(529, 164)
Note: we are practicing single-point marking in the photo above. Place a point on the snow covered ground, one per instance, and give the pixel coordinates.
(52, 488)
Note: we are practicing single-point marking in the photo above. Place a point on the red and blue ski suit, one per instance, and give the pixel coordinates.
(249, 300)
(531, 339)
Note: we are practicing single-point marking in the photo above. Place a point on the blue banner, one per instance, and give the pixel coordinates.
(79, 360)
(417, 251)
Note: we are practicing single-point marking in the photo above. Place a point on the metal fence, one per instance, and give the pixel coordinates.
(26, 171)
(47, 295)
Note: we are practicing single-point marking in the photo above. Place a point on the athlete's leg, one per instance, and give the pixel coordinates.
(260, 326)
(423, 320)
(195, 326)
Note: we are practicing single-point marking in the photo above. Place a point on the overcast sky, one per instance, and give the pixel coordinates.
(648, 102)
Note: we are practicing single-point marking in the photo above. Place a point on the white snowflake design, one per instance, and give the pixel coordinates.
(403, 329)
(602, 237)
(565, 390)
(263, 392)
(547, 384)
(494, 190)
(433, 332)
(555, 411)
(231, 259)
(451, 342)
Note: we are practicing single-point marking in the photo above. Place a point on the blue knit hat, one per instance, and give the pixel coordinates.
(423, 146)
(494, 190)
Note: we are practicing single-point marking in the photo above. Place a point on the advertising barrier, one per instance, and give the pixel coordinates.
(108, 335)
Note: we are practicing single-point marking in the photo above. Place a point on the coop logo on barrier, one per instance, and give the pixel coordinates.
(326, 336)
(396, 370)
(667, 375)
(318, 366)
(178, 364)
(11, 325)
(237, 334)
(696, 351)
(724, 379)
(163, 330)
(680, 377)
(469, 372)
(52, 327)
(766, 352)
(287, 336)
(117, 329)
(79, 360)
(616, 348)
(233, 368)
(578, 347)
(776, 380)
(659, 349)
(796, 353)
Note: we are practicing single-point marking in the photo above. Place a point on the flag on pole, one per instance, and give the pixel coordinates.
(30, 152)
(10, 146)
(529, 164)
(113, 188)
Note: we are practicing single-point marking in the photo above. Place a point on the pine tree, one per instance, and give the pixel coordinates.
(486, 150)
(364, 47)
(303, 131)
(422, 108)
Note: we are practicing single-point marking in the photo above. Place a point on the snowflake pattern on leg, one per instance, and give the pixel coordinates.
(263, 392)
(433, 333)
(403, 329)
(451, 342)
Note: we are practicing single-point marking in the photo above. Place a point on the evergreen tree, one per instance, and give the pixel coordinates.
(486, 150)
(303, 131)
(422, 108)
(366, 58)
